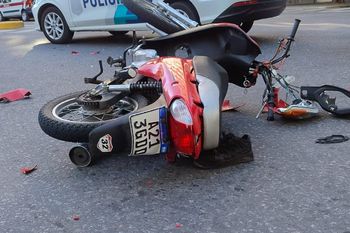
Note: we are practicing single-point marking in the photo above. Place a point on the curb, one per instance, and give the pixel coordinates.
(11, 25)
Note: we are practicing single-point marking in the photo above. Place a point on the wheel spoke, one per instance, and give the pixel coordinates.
(50, 18)
(59, 30)
(72, 111)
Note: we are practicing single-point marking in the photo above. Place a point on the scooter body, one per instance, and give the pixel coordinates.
(185, 119)
(185, 78)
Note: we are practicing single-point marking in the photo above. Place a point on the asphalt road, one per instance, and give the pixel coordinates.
(294, 185)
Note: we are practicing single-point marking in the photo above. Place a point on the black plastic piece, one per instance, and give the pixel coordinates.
(332, 139)
(317, 94)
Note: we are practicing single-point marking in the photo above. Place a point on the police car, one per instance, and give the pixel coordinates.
(15, 9)
(59, 19)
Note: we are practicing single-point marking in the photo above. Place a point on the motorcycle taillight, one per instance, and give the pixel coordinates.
(180, 127)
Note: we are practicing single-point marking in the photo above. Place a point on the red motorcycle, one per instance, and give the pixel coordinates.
(166, 97)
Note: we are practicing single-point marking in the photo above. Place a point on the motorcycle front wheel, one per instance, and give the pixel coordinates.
(65, 119)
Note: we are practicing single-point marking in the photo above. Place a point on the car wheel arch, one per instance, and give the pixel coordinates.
(42, 10)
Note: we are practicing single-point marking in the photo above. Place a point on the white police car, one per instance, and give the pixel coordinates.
(15, 9)
(59, 19)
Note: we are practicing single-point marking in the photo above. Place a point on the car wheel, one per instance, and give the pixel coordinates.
(1, 17)
(55, 27)
(25, 16)
(246, 26)
(185, 9)
(118, 33)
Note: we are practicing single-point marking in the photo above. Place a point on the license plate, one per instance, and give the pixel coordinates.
(148, 132)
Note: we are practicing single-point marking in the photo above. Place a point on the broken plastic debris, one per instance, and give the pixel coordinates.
(28, 170)
(76, 217)
(75, 52)
(14, 95)
(332, 139)
(95, 52)
(227, 106)
(178, 225)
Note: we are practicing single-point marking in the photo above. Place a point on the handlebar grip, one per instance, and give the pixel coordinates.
(295, 28)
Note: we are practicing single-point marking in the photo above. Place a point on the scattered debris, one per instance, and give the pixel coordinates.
(178, 225)
(332, 139)
(14, 95)
(76, 217)
(227, 106)
(28, 170)
(75, 53)
(95, 52)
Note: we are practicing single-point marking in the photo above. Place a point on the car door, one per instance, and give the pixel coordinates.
(93, 14)
(12, 8)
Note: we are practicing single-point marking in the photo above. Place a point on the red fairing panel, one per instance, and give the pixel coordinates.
(179, 81)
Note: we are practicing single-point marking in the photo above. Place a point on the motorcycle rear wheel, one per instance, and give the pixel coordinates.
(151, 14)
(65, 119)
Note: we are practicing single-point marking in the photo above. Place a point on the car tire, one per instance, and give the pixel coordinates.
(186, 9)
(24, 16)
(118, 33)
(1, 17)
(246, 26)
(60, 34)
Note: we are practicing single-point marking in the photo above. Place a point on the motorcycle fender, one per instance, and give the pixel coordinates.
(115, 137)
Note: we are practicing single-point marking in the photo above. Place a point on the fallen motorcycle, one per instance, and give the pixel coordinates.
(166, 95)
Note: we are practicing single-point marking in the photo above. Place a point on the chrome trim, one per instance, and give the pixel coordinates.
(156, 30)
(176, 16)
(210, 96)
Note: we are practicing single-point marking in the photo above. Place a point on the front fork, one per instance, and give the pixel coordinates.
(270, 101)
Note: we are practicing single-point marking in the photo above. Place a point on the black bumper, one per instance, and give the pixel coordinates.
(251, 11)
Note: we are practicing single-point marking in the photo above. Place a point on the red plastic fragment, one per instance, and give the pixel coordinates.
(95, 52)
(28, 170)
(178, 225)
(149, 183)
(76, 217)
(227, 106)
(14, 95)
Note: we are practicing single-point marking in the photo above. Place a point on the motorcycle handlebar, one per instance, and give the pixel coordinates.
(295, 28)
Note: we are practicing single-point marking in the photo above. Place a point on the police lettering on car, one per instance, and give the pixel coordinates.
(100, 3)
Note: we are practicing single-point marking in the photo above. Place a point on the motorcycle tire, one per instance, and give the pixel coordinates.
(151, 14)
(52, 123)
